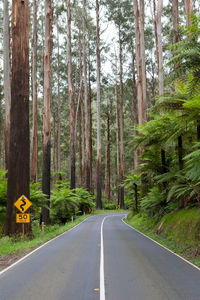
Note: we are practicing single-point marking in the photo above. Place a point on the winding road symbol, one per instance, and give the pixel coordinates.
(23, 203)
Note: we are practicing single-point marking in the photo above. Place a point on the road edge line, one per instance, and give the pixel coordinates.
(185, 260)
(38, 248)
(102, 275)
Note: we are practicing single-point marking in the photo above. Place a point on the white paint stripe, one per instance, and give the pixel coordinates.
(102, 277)
(29, 254)
(185, 260)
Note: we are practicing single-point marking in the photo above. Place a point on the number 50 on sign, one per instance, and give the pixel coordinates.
(22, 218)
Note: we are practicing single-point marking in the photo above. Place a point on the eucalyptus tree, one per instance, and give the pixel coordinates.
(7, 78)
(34, 167)
(19, 147)
(99, 163)
(46, 167)
(71, 95)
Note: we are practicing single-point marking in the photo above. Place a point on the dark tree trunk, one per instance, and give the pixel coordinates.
(108, 159)
(180, 152)
(90, 132)
(136, 196)
(19, 154)
(163, 159)
(198, 130)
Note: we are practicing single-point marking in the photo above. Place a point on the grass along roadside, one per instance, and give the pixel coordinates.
(179, 232)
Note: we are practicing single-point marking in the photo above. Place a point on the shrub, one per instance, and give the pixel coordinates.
(154, 203)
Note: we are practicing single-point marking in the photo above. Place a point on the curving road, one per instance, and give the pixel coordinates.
(104, 259)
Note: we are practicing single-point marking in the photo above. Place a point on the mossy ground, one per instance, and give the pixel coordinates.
(178, 231)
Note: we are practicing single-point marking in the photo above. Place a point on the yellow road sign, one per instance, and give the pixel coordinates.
(23, 204)
(118, 207)
(23, 218)
(90, 210)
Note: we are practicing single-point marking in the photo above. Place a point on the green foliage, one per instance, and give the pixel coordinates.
(66, 203)
(154, 203)
(109, 205)
(38, 200)
(3, 195)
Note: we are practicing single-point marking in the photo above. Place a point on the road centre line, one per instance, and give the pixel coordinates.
(185, 260)
(102, 277)
(102, 274)
(30, 253)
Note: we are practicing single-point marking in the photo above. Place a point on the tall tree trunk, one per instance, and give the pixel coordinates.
(175, 16)
(46, 169)
(140, 60)
(19, 153)
(7, 79)
(135, 111)
(143, 61)
(90, 131)
(99, 166)
(188, 10)
(121, 122)
(0, 125)
(159, 52)
(87, 116)
(108, 158)
(58, 134)
(34, 169)
(117, 142)
(71, 100)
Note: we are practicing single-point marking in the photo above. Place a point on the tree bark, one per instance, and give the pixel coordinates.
(140, 61)
(135, 111)
(108, 195)
(99, 166)
(90, 132)
(121, 122)
(71, 100)
(19, 154)
(86, 100)
(159, 51)
(117, 139)
(34, 169)
(58, 134)
(188, 10)
(7, 79)
(46, 180)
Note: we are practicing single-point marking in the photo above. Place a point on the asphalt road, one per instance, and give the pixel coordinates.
(102, 259)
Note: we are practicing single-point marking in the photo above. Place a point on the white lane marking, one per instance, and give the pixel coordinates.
(102, 274)
(185, 260)
(30, 253)
(102, 277)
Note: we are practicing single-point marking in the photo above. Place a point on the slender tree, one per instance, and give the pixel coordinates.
(71, 99)
(140, 60)
(99, 167)
(19, 153)
(122, 168)
(46, 167)
(86, 100)
(188, 10)
(34, 169)
(7, 79)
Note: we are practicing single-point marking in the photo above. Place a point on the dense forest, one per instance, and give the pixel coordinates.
(99, 106)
